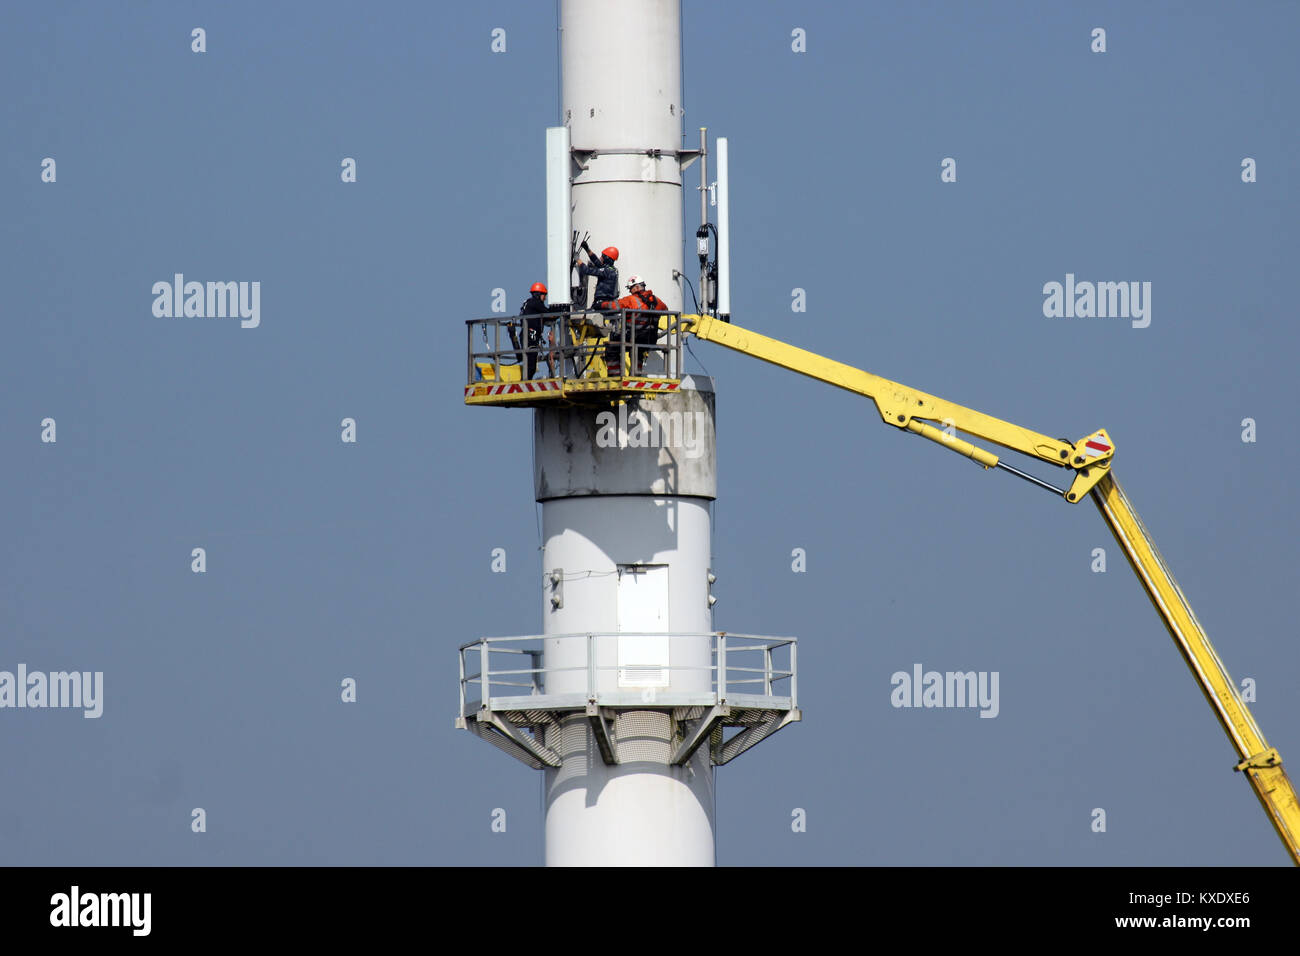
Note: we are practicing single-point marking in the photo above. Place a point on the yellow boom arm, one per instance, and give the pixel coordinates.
(1089, 460)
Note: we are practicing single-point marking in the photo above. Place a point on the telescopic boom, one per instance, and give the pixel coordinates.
(1088, 460)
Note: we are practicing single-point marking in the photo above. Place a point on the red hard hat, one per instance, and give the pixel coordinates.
(611, 251)
(538, 287)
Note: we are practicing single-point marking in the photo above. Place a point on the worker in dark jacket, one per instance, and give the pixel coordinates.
(533, 309)
(606, 296)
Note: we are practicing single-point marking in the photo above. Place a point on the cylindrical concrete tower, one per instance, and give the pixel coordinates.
(628, 527)
(628, 699)
(628, 531)
(620, 66)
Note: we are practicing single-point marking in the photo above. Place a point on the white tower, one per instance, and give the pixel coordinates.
(630, 689)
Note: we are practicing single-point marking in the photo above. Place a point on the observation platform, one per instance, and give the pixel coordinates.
(746, 692)
(580, 357)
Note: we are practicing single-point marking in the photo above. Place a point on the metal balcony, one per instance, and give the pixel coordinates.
(510, 697)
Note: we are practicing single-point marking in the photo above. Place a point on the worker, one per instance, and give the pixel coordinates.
(632, 300)
(533, 309)
(652, 301)
(646, 327)
(606, 296)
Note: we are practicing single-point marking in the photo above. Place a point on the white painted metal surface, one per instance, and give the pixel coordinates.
(621, 88)
(622, 504)
(641, 812)
(586, 538)
(724, 230)
(559, 221)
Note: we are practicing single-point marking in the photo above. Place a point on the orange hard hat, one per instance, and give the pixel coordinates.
(611, 251)
(538, 287)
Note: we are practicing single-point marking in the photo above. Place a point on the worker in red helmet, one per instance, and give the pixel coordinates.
(533, 309)
(606, 295)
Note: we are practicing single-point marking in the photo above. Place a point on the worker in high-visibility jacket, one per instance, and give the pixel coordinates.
(652, 301)
(616, 334)
(645, 328)
(632, 300)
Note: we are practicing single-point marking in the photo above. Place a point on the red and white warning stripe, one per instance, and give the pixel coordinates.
(512, 388)
(651, 386)
(1096, 445)
(524, 388)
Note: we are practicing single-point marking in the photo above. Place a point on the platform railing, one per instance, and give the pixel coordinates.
(762, 671)
(570, 343)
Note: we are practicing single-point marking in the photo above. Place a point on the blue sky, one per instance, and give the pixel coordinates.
(372, 560)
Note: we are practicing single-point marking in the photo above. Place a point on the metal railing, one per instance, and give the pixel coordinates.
(739, 662)
(573, 345)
